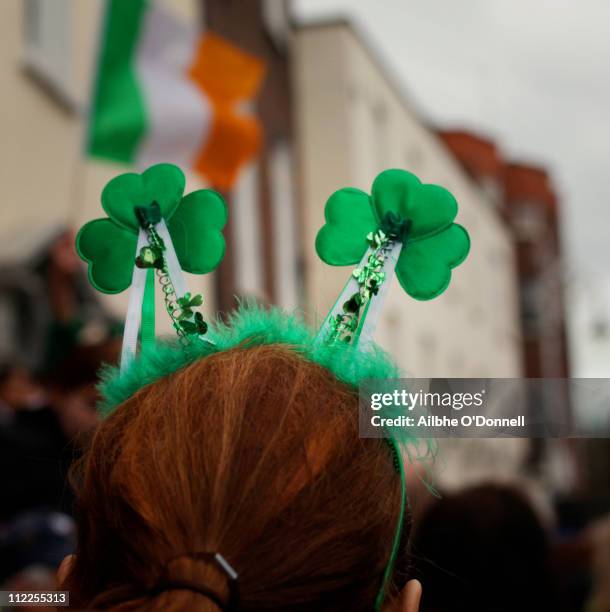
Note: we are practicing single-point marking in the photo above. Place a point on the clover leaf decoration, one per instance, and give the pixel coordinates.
(194, 221)
(195, 327)
(419, 215)
(186, 304)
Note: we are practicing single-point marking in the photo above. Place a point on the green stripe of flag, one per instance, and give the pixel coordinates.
(118, 116)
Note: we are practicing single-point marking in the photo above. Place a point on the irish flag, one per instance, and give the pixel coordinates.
(166, 93)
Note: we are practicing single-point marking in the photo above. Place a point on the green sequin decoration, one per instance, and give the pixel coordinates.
(186, 321)
(150, 257)
(369, 277)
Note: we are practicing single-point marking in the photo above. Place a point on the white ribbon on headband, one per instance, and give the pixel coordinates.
(372, 310)
(173, 265)
(134, 307)
(372, 314)
(350, 288)
(174, 270)
(133, 320)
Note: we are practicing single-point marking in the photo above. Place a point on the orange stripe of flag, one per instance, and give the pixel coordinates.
(228, 76)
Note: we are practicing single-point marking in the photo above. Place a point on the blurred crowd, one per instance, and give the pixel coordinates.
(487, 547)
(486, 543)
(55, 338)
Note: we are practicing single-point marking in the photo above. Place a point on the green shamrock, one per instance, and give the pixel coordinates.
(420, 216)
(186, 304)
(196, 327)
(194, 221)
(150, 257)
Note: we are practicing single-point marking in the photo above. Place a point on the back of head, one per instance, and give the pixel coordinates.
(483, 549)
(252, 453)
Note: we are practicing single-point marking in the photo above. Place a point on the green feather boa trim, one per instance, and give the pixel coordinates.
(250, 325)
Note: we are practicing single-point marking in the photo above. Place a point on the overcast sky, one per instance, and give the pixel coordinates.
(532, 74)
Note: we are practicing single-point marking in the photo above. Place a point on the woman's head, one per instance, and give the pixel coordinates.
(253, 453)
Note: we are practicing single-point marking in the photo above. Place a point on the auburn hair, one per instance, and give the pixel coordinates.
(252, 453)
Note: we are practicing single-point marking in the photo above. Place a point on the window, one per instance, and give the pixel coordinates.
(285, 224)
(428, 353)
(367, 145)
(277, 21)
(530, 306)
(456, 362)
(47, 46)
(247, 233)
(381, 140)
(413, 159)
(492, 189)
(529, 221)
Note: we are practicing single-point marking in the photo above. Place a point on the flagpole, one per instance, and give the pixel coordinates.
(225, 275)
(77, 186)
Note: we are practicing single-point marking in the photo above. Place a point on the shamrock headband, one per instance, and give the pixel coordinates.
(404, 226)
(152, 227)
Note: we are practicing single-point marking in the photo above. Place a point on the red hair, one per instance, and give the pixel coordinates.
(252, 453)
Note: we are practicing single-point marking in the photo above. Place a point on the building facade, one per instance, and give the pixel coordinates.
(47, 65)
(525, 198)
(332, 118)
(263, 258)
(48, 53)
(352, 124)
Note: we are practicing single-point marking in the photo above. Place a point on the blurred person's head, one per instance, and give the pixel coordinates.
(483, 549)
(79, 370)
(56, 251)
(33, 578)
(19, 389)
(72, 385)
(34, 539)
(252, 453)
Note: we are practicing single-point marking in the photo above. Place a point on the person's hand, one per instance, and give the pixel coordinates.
(409, 598)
